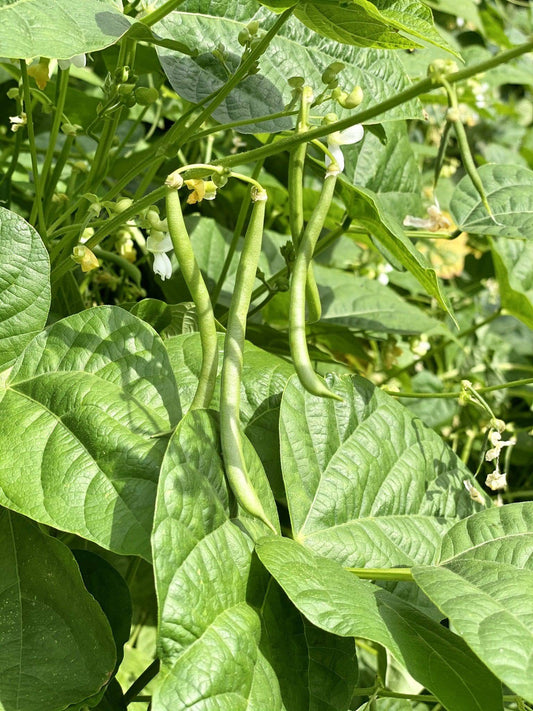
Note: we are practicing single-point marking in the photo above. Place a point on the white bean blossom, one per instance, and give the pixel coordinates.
(354, 134)
(159, 243)
(78, 60)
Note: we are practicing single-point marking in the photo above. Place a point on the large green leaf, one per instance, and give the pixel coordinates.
(208, 633)
(483, 584)
(367, 305)
(370, 210)
(296, 51)
(59, 28)
(513, 263)
(57, 648)
(79, 410)
(337, 601)
(371, 24)
(389, 168)
(509, 191)
(263, 378)
(367, 484)
(24, 285)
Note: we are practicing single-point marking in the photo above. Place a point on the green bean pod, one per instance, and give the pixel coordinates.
(296, 217)
(297, 338)
(200, 295)
(230, 386)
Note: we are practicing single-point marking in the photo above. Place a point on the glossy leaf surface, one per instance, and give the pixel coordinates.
(59, 28)
(80, 407)
(24, 285)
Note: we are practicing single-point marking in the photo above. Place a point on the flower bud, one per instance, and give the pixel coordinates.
(83, 256)
(146, 95)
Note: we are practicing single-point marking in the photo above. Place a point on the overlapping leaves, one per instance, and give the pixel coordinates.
(80, 407)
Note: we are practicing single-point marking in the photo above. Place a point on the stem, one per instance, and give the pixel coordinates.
(166, 8)
(110, 226)
(456, 394)
(236, 78)
(138, 685)
(382, 573)
(236, 124)
(62, 83)
(38, 204)
(421, 87)
(200, 295)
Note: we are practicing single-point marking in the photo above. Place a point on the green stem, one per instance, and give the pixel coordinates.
(200, 295)
(37, 210)
(297, 335)
(230, 385)
(62, 82)
(237, 77)
(382, 573)
(456, 394)
(236, 124)
(138, 685)
(464, 148)
(166, 8)
(421, 87)
(128, 268)
(111, 226)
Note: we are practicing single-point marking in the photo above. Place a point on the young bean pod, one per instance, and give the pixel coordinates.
(298, 343)
(296, 217)
(200, 295)
(230, 386)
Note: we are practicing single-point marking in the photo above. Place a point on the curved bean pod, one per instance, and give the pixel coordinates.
(230, 386)
(298, 343)
(200, 295)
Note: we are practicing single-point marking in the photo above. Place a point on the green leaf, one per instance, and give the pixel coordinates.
(366, 305)
(296, 49)
(390, 169)
(264, 376)
(80, 407)
(504, 534)
(208, 633)
(59, 28)
(512, 263)
(509, 191)
(111, 592)
(372, 24)
(483, 585)
(369, 210)
(24, 285)
(367, 484)
(337, 601)
(57, 648)
(332, 669)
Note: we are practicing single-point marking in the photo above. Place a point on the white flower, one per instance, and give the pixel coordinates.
(342, 138)
(475, 495)
(496, 480)
(158, 243)
(18, 121)
(78, 60)
(497, 445)
(162, 266)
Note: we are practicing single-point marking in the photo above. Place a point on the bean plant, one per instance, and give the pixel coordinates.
(266, 354)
